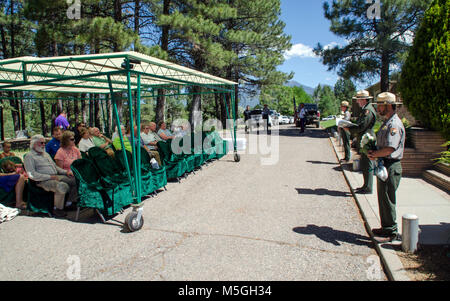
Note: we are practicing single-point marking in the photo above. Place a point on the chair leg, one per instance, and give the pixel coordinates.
(165, 188)
(101, 216)
(77, 216)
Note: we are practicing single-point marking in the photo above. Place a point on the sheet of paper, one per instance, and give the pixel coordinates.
(344, 123)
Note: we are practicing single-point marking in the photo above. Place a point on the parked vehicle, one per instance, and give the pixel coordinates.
(256, 117)
(312, 115)
(331, 117)
(291, 119)
(284, 120)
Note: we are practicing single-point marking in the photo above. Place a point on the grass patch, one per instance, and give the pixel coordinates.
(328, 124)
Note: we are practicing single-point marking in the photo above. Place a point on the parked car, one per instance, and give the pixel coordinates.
(256, 117)
(284, 120)
(331, 117)
(312, 115)
(291, 119)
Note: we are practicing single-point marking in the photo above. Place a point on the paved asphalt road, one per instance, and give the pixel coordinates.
(295, 220)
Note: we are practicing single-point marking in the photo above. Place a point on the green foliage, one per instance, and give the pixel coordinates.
(445, 156)
(373, 45)
(327, 101)
(424, 79)
(281, 98)
(344, 90)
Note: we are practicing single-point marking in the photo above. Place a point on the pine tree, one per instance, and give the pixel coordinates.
(373, 44)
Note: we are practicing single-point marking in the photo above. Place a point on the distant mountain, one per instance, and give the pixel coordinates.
(307, 89)
(252, 100)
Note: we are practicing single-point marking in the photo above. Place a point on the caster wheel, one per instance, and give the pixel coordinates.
(132, 223)
(237, 158)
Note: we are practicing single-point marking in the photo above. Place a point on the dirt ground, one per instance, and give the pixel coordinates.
(429, 263)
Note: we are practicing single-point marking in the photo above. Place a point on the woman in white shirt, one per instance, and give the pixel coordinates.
(86, 141)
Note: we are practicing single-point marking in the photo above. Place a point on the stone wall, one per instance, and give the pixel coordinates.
(427, 146)
(19, 144)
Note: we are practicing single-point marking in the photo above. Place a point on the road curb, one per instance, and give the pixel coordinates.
(391, 262)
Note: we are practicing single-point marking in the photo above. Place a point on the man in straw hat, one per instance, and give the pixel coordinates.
(365, 124)
(345, 134)
(390, 147)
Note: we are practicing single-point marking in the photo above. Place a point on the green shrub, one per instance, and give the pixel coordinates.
(424, 79)
(445, 156)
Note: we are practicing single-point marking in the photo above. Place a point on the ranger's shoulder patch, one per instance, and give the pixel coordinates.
(393, 131)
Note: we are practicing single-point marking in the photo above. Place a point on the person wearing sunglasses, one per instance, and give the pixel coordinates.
(42, 169)
(68, 152)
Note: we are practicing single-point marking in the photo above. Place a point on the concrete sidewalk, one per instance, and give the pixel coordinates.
(414, 196)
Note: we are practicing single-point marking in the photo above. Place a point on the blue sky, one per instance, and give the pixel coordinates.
(306, 24)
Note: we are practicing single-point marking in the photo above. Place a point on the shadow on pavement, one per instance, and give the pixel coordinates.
(323, 191)
(321, 162)
(334, 237)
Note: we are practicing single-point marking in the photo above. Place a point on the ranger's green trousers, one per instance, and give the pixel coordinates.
(346, 142)
(386, 198)
(367, 167)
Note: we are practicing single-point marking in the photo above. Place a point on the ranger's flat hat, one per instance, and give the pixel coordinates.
(387, 98)
(345, 104)
(363, 94)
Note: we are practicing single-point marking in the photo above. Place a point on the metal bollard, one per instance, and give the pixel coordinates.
(410, 236)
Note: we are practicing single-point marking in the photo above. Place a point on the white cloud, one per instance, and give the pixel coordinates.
(305, 51)
(299, 50)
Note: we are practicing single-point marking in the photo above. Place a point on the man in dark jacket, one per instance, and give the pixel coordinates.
(247, 117)
(365, 124)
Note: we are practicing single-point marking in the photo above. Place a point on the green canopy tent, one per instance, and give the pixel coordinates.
(123, 72)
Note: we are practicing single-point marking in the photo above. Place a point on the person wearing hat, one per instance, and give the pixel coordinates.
(390, 146)
(364, 124)
(345, 134)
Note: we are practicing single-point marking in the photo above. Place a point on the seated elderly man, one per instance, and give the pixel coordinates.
(42, 169)
(150, 139)
(101, 141)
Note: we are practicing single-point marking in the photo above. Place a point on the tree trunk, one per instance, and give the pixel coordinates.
(44, 127)
(2, 127)
(76, 110)
(14, 111)
(83, 108)
(109, 115)
(160, 106)
(97, 121)
(54, 115)
(161, 99)
(196, 108)
(137, 7)
(384, 81)
(22, 112)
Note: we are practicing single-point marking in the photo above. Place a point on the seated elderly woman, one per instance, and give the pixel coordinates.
(7, 151)
(47, 175)
(164, 132)
(68, 152)
(86, 141)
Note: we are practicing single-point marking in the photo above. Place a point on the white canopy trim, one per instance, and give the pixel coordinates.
(88, 73)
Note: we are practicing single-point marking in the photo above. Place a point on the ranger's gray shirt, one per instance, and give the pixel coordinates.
(392, 134)
(40, 167)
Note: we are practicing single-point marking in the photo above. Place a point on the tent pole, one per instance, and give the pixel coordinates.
(116, 113)
(234, 119)
(133, 142)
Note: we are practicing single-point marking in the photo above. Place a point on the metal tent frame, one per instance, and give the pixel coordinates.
(110, 73)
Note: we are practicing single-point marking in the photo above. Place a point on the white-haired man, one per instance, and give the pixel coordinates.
(47, 175)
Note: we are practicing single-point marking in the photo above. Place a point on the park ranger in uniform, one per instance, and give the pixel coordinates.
(345, 134)
(390, 145)
(365, 124)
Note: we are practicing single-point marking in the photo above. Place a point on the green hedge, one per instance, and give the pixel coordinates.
(424, 79)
